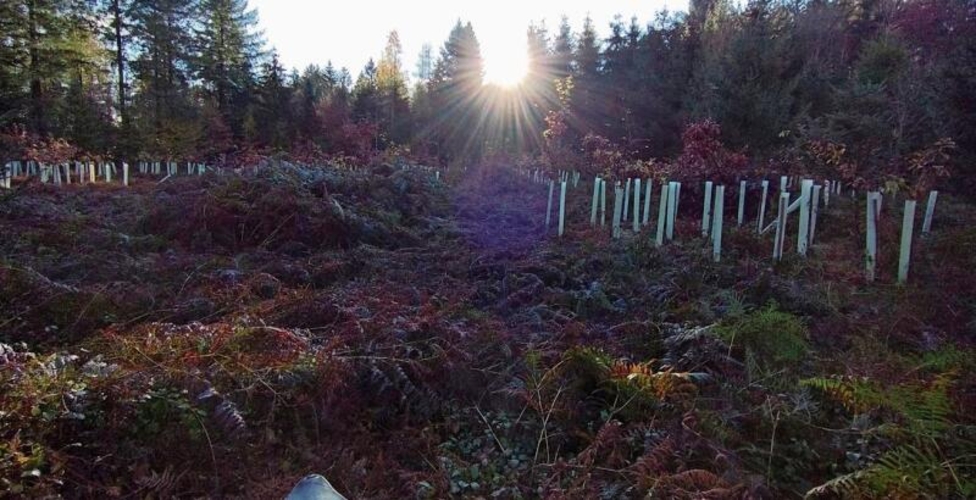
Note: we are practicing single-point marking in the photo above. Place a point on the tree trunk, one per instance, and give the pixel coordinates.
(120, 60)
(36, 88)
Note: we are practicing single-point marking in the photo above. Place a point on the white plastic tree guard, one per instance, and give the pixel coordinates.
(618, 205)
(677, 199)
(647, 201)
(803, 230)
(871, 235)
(762, 205)
(125, 174)
(707, 209)
(672, 208)
(717, 223)
(783, 183)
(603, 203)
(626, 200)
(662, 213)
(907, 230)
(596, 200)
(637, 194)
(562, 208)
(814, 212)
(781, 216)
(929, 212)
(552, 186)
(742, 203)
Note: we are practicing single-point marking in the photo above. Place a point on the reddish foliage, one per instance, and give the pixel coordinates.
(603, 157)
(705, 157)
(16, 143)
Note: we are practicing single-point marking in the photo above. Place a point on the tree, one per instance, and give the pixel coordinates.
(562, 54)
(228, 49)
(161, 34)
(273, 109)
(118, 36)
(44, 46)
(455, 91)
(365, 94)
(392, 87)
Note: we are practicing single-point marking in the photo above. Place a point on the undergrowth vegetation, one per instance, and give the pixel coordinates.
(223, 336)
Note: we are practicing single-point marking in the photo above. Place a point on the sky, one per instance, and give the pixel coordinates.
(350, 32)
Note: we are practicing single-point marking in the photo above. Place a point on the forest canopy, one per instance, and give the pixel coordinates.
(855, 85)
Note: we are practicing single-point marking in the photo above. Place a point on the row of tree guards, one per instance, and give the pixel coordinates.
(93, 171)
(633, 199)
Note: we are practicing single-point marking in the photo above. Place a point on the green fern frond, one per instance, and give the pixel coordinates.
(904, 472)
(926, 409)
(847, 485)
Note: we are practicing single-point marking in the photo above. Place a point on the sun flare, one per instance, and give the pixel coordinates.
(506, 63)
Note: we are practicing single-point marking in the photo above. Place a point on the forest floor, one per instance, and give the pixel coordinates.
(223, 336)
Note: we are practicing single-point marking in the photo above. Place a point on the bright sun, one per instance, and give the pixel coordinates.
(506, 60)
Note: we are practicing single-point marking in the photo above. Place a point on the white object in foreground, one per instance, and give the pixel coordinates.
(871, 235)
(562, 208)
(762, 205)
(662, 213)
(125, 174)
(929, 212)
(907, 230)
(707, 209)
(717, 223)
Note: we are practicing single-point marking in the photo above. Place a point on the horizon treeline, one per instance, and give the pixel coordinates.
(871, 82)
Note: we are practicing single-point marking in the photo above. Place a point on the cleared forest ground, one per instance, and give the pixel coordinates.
(223, 336)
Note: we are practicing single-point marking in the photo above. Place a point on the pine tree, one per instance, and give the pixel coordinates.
(562, 53)
(162, 37)
(273, 111)
(365, 94)
(589, 108)
(45, 43)
(455, 91)
(229, 47)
